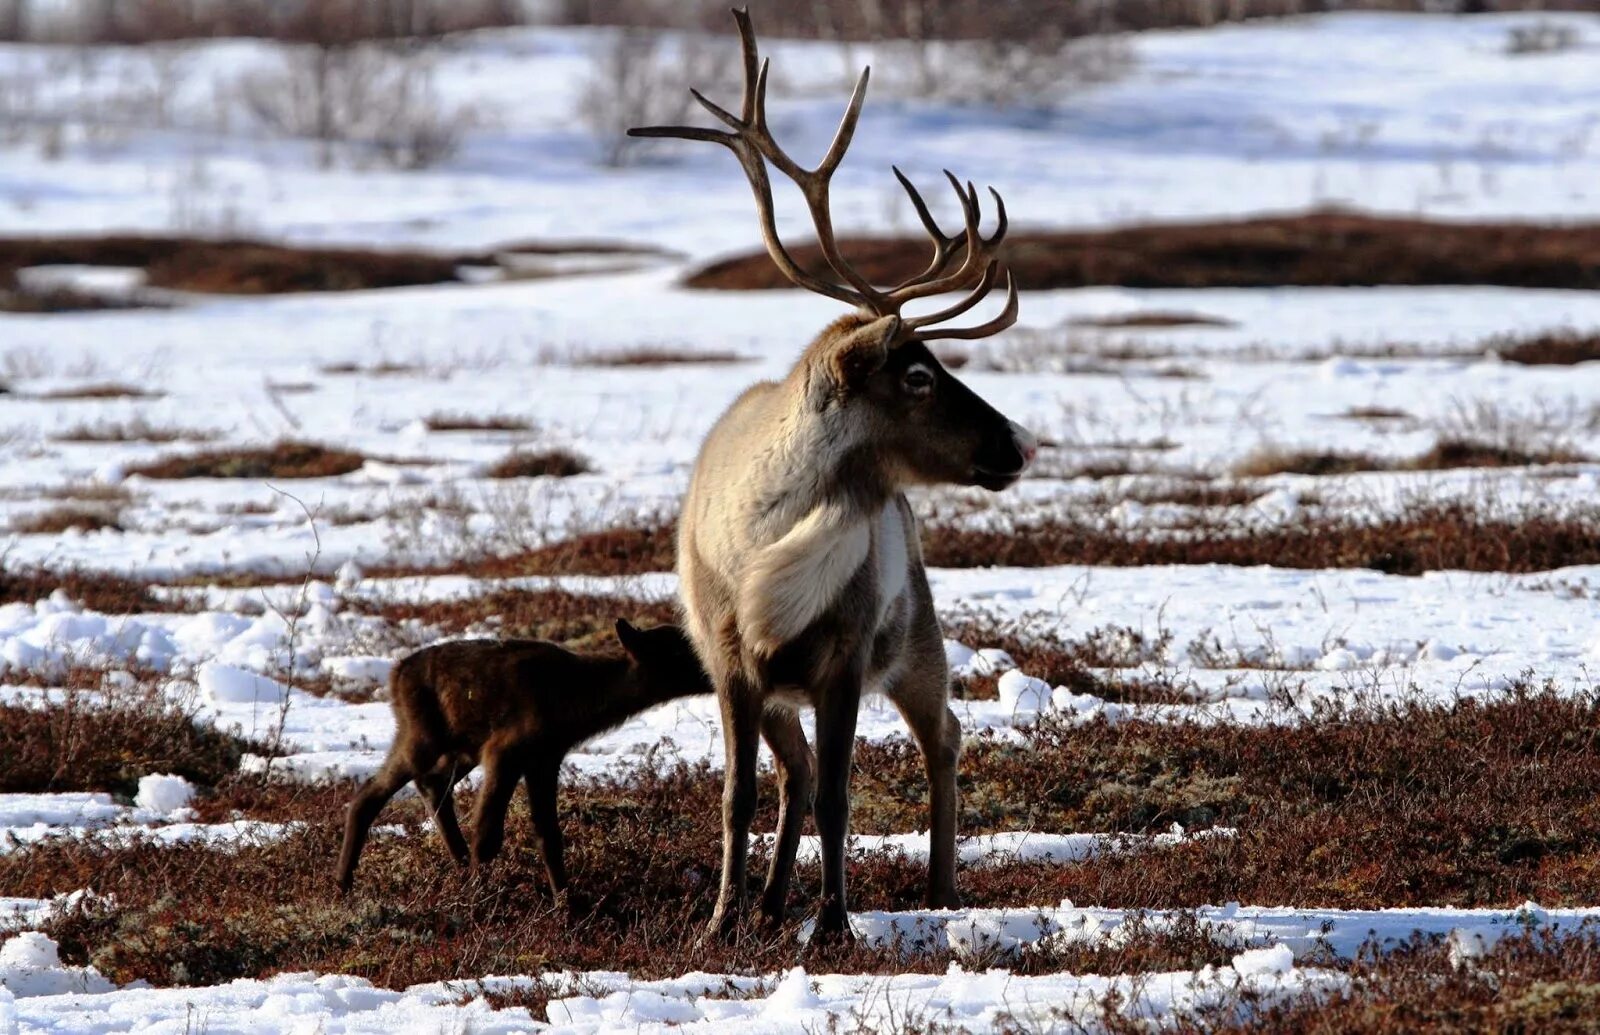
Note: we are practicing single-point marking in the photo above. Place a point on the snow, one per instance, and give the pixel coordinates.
(1012, 846)
(72, 808)
(228, 684)
(1270, 943)
(1394, 113)
(1021, 692)
(164, 793)
(1276, 962)
(30, 966)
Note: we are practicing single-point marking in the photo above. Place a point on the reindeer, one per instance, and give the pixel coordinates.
(518, 706)
(799, 564)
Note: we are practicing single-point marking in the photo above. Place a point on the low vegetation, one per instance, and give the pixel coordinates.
(286, 459)
(230, 267)
(381, 368)
(1448, 453)
(1152, 319)
(632, 547)
(578, 621)
(105, 738)
(654, 356)
(100, 591)
(544, 463)
(97, 391)
(1550, 348)
(1485, 803)
(1423, 537)
(37, 300)
(1316, 249)
(247, 267)
(68, 517)
(136, 430)
(1529, 982)
(471, 422)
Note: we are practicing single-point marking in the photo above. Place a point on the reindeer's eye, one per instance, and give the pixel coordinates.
(918, 380)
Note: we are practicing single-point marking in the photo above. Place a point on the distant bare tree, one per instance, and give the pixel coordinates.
(14, 20)
(637, 81)
(351, 95)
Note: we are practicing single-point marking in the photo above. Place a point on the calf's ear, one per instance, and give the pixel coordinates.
(632, 639)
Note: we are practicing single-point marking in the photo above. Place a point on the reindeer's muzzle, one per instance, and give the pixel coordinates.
(1004, 457)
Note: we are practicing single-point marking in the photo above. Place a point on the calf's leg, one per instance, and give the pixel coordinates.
(364, 808)
(438, 790)
(500, 774)
(541, 780)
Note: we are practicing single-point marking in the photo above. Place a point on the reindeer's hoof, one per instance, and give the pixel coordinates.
(774, 913)
(577, 904)
(832, 938)
(724, 929)
(832, 929)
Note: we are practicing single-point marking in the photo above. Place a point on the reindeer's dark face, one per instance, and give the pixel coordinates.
(926, 426)
(666, 659)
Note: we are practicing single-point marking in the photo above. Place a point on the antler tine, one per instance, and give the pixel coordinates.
(755, 70)
(750, 138)
(1007, 317)
(973, 297)
(751, 143)
(944, 245)
(723, 115)
(847, 127)
(980, 249)
(814, 183)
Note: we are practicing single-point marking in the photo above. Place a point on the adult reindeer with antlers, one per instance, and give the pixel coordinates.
(799, 564)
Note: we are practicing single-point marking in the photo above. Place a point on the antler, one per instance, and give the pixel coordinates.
(751, 141)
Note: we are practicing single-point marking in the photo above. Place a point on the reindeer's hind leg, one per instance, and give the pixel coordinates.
(438, 790)
(500, 775)
(921, 698)
(797, 786)
(364, 808)
(541, 779)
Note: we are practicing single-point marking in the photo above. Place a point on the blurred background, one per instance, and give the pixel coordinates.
(405, 250)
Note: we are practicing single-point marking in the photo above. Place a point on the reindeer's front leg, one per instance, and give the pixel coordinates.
(938, 735)
(838, 702)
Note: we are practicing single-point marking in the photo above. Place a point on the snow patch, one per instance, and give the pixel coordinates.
(30, 965)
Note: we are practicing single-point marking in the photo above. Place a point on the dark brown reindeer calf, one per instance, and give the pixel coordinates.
(518, 707)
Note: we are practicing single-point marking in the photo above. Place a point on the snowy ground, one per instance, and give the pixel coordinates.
(1390, 113)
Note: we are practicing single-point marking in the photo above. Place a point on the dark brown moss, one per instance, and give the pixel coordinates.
(544, 463)
(287, 459)
(1316, 249)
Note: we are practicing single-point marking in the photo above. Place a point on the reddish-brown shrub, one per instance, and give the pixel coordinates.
(545, 463)
(287, 459)
(1550, 348)
(97, 590)
(1425, 537)
(1317, 249)
(59, 519)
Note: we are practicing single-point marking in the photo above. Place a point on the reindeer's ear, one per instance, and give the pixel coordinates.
(632, 639)
(858, 355)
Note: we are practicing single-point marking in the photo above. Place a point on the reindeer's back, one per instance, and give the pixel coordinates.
(460, 691)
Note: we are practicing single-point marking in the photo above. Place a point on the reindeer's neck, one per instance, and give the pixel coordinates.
(816, 458)
(627, 694)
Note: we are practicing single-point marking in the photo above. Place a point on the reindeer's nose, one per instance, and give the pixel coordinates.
(1027, 445)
